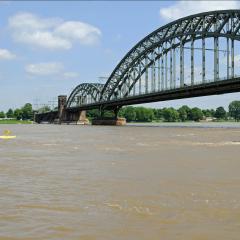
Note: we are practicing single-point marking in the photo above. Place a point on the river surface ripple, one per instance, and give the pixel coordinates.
(130, 183)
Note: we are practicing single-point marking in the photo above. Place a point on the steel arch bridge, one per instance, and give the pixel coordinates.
(192, 56)
(85, 93)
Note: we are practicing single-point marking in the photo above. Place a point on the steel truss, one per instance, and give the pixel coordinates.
(85, 93)
(151, 65)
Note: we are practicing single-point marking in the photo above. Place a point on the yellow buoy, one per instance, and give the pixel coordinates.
(7, 135)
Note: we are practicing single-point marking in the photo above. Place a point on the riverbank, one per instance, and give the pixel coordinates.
(14, 121)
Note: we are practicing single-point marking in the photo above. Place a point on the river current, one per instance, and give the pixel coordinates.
(125, 183)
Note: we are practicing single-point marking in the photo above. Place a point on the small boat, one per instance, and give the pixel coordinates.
(7, 137)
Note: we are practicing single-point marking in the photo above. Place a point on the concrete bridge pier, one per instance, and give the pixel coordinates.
(78, 117)
(62, 114)
(113, 121)
(82, 118)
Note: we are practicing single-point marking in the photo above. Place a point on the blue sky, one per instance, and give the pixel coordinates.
(47, 48)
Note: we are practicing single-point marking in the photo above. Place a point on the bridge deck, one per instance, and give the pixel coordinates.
(212, 88)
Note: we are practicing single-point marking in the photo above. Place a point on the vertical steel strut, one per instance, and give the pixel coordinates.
(216, 55)
(228, 53)
(140, 80)
(203, 60)
(146, 76)
(232, 58)
(181, 64)
(174, 65)
(159, 70)
(134, 86)
(192, 61)
(166, 68)
(162, 74)
(153, 73)
(171, 66)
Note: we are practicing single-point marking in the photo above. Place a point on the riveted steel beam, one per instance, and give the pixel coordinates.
(181, 64)
(232, 58)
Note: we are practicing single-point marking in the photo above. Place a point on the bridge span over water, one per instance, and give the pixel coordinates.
(198, 55)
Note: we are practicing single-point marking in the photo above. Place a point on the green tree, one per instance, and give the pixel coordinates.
(212, 111)
(188, 111)
(2, 114)
(206, 113)
(93, 113)
(10, 113)
(183, 113)
(27, 112)
(196, 114)
(144, 114)
(158, 113)
(170, 115)
(18, 114)
(108, 114)
(129, 113)
(234, 110)
(220, 113)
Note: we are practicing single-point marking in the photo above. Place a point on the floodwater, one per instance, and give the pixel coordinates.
(123, 183)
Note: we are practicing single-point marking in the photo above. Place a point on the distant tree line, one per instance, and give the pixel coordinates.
(23, 113)
(143, 114)
(184, 113)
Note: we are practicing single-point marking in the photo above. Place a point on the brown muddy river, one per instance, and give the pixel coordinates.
(123, 183)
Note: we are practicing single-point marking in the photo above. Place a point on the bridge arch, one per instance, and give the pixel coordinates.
(85, 93)
(156, 53)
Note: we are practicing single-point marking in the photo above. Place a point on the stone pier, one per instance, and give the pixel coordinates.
(62, 115)
(109, 121)
(82, 119)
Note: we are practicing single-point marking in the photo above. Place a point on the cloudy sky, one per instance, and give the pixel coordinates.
(47, 48)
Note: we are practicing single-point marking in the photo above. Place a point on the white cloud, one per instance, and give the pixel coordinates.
(43, 39)
(83, 32)
(44, 69)
(6, 55)
(29, 21)
(185, 8)
(71, 75)
(51, 33)
(50, 69)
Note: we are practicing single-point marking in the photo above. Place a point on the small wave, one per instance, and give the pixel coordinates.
(50, 144)
(229, 143)
(137, 209)
(46, 207)
(142, 144)
(115, 149)
(185, 135)
(117, 206)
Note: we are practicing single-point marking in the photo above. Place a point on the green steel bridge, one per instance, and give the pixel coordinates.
(190, 57)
